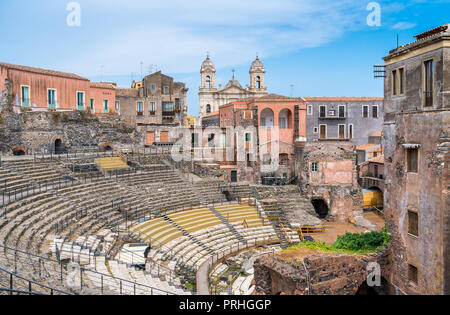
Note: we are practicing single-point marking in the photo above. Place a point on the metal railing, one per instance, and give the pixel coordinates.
(17, 283)
(78, 278)
(222, 255)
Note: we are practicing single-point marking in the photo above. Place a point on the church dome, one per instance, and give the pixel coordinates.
(208, 66)
(257, 66)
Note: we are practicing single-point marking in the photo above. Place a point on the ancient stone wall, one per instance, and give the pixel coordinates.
(332, 179)
(317, 274)
(38, 131)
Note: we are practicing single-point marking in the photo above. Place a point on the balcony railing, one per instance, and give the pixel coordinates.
(168, 113)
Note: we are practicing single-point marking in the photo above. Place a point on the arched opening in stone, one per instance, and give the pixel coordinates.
(107, 148)
(385, 288)
(285, 119)
(59, 146)
(267, 118)
(228, 195)
(19, 152)
(365, 289)
(321, 208)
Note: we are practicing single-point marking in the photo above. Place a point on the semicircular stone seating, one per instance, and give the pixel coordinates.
(80, 221)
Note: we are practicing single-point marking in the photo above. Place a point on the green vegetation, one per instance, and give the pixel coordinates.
(351, 243)
(190, 286)
(2, 120)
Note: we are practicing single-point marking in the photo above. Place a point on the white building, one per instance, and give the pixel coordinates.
(210, 98)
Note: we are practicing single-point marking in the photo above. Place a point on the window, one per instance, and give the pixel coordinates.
(412, 160)
(323, 132)
(314, 167)
(105, 106)
(208, 109)
(166, 90)
(25, 96)
(394, 82)
(140, 108)
(267, 159)
(309, 111)
(428, 86)
(401, 73)
(365, 112)
(167, 107)
(223, 140)
(375, 170)
(211, 140)
(258, 82)
(249, 160)
(413, 223)
(315, 130)
(208, 82)
(195, 140)
(350, 131)
(341, 131)
(152, 106)
(323, 111)
(117, 106)
(248, 137)
(342, 111)
(413, 273)
(91, 105)
(282, 123)
(153, 87)
(80, 100)
(51, 98)
(284, 159)
(375, 111)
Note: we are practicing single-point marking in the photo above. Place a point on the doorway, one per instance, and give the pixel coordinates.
(321, 208)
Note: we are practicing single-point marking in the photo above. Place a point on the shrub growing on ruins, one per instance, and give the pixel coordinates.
(362, 242)
(351, 243)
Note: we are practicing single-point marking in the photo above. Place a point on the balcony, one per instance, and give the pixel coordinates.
(170, 114)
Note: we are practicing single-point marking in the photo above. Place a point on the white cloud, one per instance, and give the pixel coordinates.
(176, 34)
(403, 26)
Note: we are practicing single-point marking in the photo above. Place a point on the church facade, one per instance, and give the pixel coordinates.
(211, 98)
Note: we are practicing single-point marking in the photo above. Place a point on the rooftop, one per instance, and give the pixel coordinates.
(368, 146)
(342, 98)
(42, 71)
(379, 159)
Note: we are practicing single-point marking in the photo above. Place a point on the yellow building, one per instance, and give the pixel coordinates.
(190, 121)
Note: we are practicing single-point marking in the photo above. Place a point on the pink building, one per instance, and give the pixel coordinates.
(42, 89)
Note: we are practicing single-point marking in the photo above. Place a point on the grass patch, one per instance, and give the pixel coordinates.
(351, 243)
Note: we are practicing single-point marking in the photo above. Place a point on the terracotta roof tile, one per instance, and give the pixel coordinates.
(378, 134)
(378, 159)
(102, 85)
(342, 98)
(43, 71)
(368, 146)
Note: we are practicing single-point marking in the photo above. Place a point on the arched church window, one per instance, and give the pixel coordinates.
(258, 82)
(208, 82)
(208, 109)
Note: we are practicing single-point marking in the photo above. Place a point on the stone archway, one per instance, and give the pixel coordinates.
(106, 147)
(321, 207)
(19, 150)
(57, 144)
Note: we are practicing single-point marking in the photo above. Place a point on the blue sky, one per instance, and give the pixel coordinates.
(321, 47)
